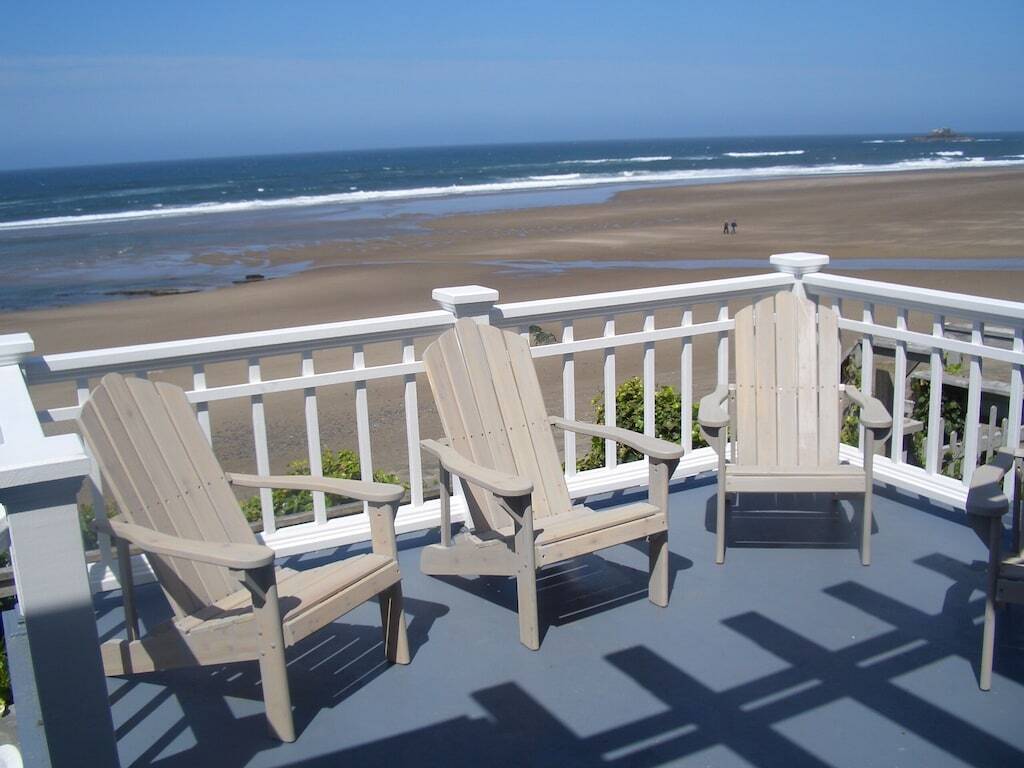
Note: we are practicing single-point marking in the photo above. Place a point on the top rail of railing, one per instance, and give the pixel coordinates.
(923, 299)
(211, 349)
(640, 299)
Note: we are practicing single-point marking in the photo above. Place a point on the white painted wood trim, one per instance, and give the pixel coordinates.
(569, 399)
(934, 436)
(609, 392)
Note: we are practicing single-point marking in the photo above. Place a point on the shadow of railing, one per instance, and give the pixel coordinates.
(743, 721)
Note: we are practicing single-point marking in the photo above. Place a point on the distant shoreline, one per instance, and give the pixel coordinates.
(219, 269)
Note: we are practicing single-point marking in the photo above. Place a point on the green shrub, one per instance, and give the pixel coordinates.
(850, 433)
(952, 412)
(629, 414)
(539, 337)
(343, 464)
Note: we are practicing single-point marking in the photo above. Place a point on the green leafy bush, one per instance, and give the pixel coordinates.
(952, 412)
(539, 337)
(850, 433)
(343, 464)
(629, 414)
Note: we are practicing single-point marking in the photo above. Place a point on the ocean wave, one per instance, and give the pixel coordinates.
(885, 141)
(951, 153)
(556, 177)
(606, 160)
(780, 153)
(514, 185)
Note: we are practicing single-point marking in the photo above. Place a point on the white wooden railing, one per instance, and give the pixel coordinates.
(40, 475)
(604, 324)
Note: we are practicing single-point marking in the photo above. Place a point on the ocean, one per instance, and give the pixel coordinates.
(74, 235)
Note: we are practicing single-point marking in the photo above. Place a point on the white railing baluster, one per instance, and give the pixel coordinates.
(899, 390)
(259, 438)
(867, 361)
(202, 409)
(649, 381)
(723, 346)
(314, 450)
(412, 426)
(686, 385)
(1013, 416)
(362, 419)
(972, 419)
(569, 398)
(934, 436)
(609, 392)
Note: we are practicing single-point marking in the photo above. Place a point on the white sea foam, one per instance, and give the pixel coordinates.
(765, 154)
(952, 153)
(556, 177)
(606, 160)
(516, 185)
(884, 141)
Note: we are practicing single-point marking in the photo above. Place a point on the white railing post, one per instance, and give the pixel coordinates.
(798, 264)
(473, 301)
(39, 481)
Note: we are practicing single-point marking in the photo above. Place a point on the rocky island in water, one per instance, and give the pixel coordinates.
(943, 134)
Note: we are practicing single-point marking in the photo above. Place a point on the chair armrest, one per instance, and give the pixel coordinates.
(872, 413)
(492, 480)
(654, 447)
(380, 493)
(985, 498)
(711, 414)
(240, 557)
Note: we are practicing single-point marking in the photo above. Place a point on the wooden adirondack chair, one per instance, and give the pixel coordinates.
(500, 443)
(230, 603)
(986, 505)
(787, 411)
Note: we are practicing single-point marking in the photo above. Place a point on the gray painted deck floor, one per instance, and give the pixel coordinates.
(791, 653)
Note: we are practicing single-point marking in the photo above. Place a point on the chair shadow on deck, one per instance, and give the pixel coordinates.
(585, 586)
(790, 520)
(324, 669)
(771, 720)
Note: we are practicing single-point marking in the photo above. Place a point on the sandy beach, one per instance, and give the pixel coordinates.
(635, 238)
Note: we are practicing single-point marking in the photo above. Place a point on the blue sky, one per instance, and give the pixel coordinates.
(123, 81)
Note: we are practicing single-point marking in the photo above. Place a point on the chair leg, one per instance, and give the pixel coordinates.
(869, 493)
(529, 627)
(392, 618)
(657, 587)
(273, 670)
(722, 501)
(988, 637)
(865, 530)
(720, 523)
(526, 573)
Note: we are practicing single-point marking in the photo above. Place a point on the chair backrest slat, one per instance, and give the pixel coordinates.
(787, 383)
(828, 386)
(163, 475)
(767, 386)
(491, 407)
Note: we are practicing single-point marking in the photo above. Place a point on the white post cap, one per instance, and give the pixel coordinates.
(799, 263)
(15, 347)
(467, 300)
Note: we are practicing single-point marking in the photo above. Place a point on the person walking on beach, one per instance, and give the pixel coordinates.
(734, 226)
(725, 228)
